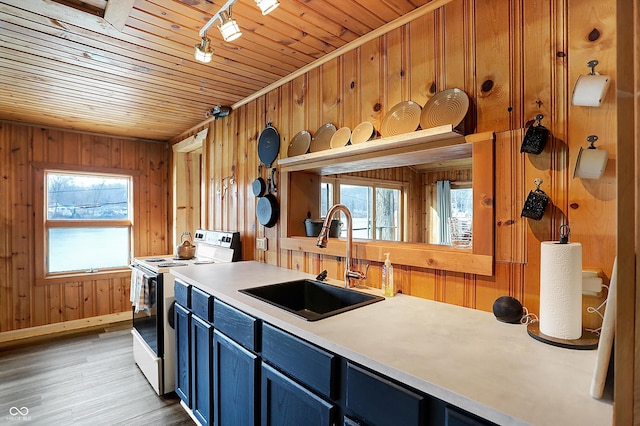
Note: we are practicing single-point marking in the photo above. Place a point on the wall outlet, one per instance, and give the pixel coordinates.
(261, 244)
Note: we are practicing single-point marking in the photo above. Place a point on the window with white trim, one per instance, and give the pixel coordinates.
(87, 221)
(376, 207)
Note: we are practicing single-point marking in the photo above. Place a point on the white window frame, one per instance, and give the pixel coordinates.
(374, 184)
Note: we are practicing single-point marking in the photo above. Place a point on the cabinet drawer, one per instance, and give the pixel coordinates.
(202, 304)
(287, 403)
(237, 325)
(380, 402)
(456, 417)
(305, 362)
(182, 294)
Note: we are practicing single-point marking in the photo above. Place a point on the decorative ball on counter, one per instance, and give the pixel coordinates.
(508, 309)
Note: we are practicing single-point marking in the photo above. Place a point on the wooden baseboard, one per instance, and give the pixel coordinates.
(8, 338)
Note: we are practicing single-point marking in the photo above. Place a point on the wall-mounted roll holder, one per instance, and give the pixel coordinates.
(591, 162)
(590, 89)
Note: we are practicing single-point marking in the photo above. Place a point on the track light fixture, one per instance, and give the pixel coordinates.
(203, 50)
(228, 27)
(267, 6)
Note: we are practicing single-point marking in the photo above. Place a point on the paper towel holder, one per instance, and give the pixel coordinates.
(588, 340)
(564, 234)
(590, 89)
(591, 162)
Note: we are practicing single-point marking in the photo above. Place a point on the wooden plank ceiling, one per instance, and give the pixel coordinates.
(126, 67)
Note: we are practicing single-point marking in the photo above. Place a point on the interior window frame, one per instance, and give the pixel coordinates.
(374, 184)
(43, 223)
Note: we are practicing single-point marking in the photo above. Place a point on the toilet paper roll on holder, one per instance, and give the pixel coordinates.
(591, 162)
(590, 89)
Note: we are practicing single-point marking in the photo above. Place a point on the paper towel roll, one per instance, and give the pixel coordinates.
(561, 290)
(590, 90)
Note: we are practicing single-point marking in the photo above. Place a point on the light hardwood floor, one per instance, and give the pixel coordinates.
(82, 379)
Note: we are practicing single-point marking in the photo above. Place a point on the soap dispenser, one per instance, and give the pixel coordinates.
(388, 287)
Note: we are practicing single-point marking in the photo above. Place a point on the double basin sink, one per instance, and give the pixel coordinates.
(311, 299)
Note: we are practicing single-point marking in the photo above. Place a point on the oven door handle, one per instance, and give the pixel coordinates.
(147, 274)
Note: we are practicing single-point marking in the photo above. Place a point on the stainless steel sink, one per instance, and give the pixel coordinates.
(310, 299)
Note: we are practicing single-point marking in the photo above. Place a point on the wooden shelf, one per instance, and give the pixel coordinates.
(300, 179)
(420, 147)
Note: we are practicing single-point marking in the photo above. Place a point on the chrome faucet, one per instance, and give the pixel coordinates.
(324, 236)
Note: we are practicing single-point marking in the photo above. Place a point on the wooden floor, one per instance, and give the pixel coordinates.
(87, 379)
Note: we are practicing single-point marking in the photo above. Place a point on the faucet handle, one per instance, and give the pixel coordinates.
(366, 269)
(357, 275)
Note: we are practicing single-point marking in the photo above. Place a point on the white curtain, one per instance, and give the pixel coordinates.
(443, 207)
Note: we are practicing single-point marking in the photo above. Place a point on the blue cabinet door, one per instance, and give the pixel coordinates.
(202, 370)
(286, 403)
(236, 383)
(182, 325)
(380, 402)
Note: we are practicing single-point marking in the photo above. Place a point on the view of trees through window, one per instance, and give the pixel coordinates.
(375, 210)
(87, 197)
(462, 202)
(88, 222)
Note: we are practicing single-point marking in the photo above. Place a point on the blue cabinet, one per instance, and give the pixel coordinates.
(202, 370)
(182, 325)
(310, 365)
(236, 383)
(380, 402)
(448, 415)
(234, 370)
(286, 403)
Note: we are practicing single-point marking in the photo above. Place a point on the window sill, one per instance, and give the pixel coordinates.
(83, 276)
(410, 254)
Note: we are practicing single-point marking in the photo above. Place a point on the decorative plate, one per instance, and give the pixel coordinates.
(362, 132)
(340, 137)
(447, 107)
(402, 118)
(299, 144)
(322, 139)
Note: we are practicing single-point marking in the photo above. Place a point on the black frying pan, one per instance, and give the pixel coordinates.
(259, 187)
(268, 145)
(267, 209)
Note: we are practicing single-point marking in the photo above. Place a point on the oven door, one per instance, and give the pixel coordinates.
(147, 321)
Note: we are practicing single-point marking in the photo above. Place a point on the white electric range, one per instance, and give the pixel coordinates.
(152, 299)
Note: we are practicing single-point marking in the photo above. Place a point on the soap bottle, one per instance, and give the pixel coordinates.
(387, 278)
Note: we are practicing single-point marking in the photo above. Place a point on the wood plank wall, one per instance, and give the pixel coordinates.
(26, 304)
(515, 59)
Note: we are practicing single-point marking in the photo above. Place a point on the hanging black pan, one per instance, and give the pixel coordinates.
(267, 209)
(268, 145)
(259, 186)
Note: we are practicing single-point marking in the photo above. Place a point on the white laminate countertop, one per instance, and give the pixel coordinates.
(459, 355)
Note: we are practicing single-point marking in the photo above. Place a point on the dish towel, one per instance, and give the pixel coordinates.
(139, 296)
(132, 289)
(144, 299)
